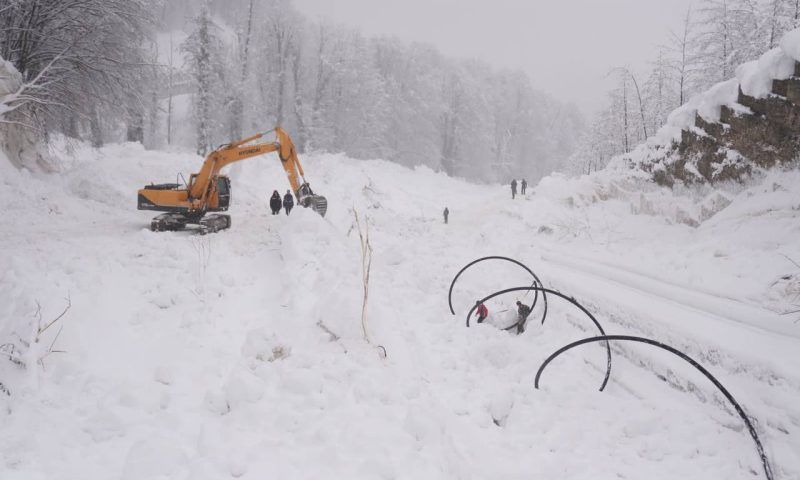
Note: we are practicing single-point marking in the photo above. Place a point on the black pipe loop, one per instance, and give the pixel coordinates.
(507, 259)
(570, 300)
(691, 361)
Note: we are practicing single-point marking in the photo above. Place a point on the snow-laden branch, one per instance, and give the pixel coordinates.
(34, 91)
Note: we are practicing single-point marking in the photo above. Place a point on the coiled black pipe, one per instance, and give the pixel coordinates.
(708, 375)
(570, 300)
(507, 259)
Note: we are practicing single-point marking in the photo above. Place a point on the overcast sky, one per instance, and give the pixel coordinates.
(566, 46)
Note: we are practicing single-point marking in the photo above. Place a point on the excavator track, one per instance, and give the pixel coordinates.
(214, 223)
(169, 222)
(173, 222)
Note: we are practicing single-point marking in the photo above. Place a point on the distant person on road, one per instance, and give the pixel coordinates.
(524, 186)
(522, 316)
(275, 202)
(288, 202)
(483, 312)
(513, 188)
(446, 214)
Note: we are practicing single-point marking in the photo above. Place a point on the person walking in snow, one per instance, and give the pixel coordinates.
(524, 186)
(288, 202)
(275, 202)
(446, 214)
(522, 316)
(483, 312)
(513, 188)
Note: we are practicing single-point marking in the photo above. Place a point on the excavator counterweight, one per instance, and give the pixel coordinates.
(209, 191)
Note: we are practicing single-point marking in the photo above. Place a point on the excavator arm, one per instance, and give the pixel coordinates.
(244, 149)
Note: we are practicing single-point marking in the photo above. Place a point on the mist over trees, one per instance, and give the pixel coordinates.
(715, 37)
(336, 90)
(113, 70)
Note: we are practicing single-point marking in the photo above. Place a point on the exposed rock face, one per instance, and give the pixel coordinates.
(754, 133)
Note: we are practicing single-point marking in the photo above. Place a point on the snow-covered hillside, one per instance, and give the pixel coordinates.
(241, 354)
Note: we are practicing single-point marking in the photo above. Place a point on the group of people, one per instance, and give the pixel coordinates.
(523, 187)
(523, 311)
(275, 202)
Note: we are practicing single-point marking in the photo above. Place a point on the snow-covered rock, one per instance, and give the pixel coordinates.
(698, 145)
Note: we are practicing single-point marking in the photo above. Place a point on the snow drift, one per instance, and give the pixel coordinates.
(240, 354)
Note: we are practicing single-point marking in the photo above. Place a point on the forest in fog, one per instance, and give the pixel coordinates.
(200, 73)
(118, 74)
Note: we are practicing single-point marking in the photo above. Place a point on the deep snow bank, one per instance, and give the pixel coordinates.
(241, 354)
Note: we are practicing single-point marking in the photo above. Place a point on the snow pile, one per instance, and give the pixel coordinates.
(241, 354)
(756, 77)
(681, 205)
(723, 93)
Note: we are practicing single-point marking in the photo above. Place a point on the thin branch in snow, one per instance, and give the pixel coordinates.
(366, 266)
(50, 350)
(788, 258)
(40, 329)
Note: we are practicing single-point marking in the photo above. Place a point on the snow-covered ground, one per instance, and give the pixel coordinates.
(241, 354)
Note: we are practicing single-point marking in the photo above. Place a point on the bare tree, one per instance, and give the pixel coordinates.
(682, 65)
(625, 73)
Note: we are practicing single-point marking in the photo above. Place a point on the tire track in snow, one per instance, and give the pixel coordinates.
(759, 364)
(710, 304)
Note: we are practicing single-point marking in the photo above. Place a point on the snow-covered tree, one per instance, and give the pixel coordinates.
(729, 33)
(781, 16)
(660, 95)
(204, 53)
(88, 58)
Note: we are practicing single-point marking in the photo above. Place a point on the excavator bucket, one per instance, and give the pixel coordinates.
(319, 204)
(308, 198)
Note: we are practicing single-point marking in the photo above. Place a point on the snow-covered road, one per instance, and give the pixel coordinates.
(241, 354)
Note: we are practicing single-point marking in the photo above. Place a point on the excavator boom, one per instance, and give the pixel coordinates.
(209, 191)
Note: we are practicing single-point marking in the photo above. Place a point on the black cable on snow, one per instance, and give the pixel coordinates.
(570, 300)
(629, 338)
(536, 282)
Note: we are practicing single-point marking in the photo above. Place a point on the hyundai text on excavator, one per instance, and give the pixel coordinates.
(208, 191)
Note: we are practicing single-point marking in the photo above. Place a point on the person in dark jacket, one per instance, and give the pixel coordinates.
(524, 186)
(275, 202)
(483, 312)
(513, 188)
(446, 214)
(522, 316)
(288, 202)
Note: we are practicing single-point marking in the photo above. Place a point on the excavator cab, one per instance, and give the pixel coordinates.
(223, 192)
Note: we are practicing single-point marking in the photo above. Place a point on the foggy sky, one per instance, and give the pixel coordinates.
(567, 47)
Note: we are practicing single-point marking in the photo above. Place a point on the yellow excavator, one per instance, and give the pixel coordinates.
(208, 191)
